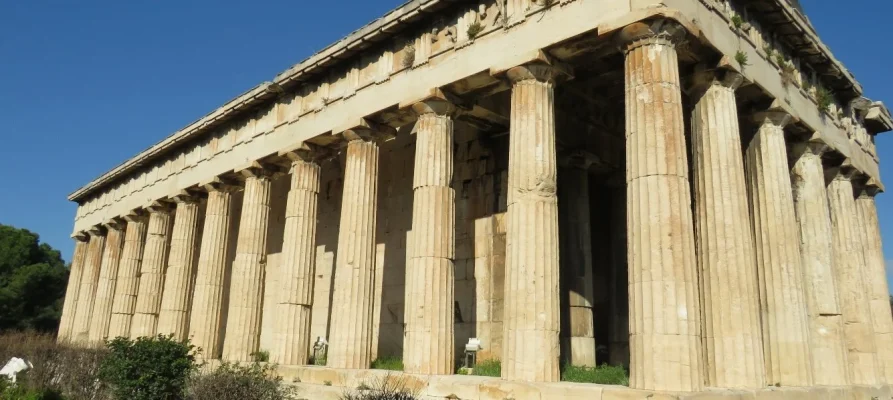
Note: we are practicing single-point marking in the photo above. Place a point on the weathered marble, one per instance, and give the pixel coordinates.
(155, 253)
(105, 287)
(179, 280)
(351, 333)
(69, 306)
(128, 282)
(80, 330)
(727, 265)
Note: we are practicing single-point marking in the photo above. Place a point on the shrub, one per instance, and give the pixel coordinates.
(156, 368)
(384, 388)
(824, 98)
(488, 368)
(389, 363)
(741, 58)
(474, 30)
(261, 356)
(604, 375)
(67, 372)
(234, 382)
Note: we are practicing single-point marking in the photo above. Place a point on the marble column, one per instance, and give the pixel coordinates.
(207, 303)
(876, 279)
(105, 287)
(618, 336)
(733, 342)
(69, 307)
(87, 293)
(531, 319)
(298, 263)
(351, 332)
(155, 253)
(578, 342)
(665, 315)
(429, 310)
(829, 365)
(853, 282)
(779, 266)
(128, 282)
(246, 294)
(176, 298)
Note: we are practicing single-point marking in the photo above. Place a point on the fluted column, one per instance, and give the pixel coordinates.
(87, 292)
(826, 335)
(876, 278)
(247, 286)
(854, 283)
(665, 314)
(69, 307)
(779, 266)
(351, 332)
(155, 253)
(578, 338)
(429, 307)
(128, 282)
(176, 299)
(105, 287)
(733, 342)
(298, 263)
(207, 303)
(532, 311)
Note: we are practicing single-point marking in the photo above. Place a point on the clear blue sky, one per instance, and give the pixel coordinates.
(85, 85)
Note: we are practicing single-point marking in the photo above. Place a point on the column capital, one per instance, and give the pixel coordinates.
(159, 206)
(550, 72)
(366, 130)
(219, 184)
(775, 115)
(811, 146)
(136, 215)
(97, 230)
(436, 102)
(657, 31)
(578, 159)
(116, 223)
(867, 186)
(723, 74)
(80, 236)
(258, 169)
(305, 152)
(844, 172)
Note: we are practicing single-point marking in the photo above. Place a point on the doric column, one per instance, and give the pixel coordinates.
(429, 307)
(247, 284)
(69, 307)
(532, 309)
(665, 314)
(128, 282)
(876, 278)
(179, 278)
(853, 283)
(295, 294)
(779, 266)
(148, 301)
(578, 333)
(618, 336)
(207, 303)
(826, 340)
(733, 342)
(105, 287)
(87, 293)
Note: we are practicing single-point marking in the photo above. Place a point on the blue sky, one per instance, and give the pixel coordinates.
(85, 85)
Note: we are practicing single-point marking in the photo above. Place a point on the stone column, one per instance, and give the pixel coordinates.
(532, 311)
(247, 286)
(128, 282)
(429, 311)
(779, 266)
(829, 365)
(618, 335)
(179, 279)
(105, 287)
(733, 342)
(876, 278)
(854, 285)
(298, 262)
(148, 301)
(69, 307)
(578, 342)
(87, 292)
(207, 303)
(351, 332)
(665, 314)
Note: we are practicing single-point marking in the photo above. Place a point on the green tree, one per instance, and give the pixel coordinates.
(33, 278)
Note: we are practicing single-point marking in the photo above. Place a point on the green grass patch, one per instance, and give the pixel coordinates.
(604, 375)
(488, 368)
(389, 363)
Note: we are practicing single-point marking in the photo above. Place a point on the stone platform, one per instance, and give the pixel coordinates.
(321, 383)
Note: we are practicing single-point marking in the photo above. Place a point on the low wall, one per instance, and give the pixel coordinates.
(321, 383)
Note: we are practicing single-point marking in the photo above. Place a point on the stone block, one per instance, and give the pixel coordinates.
(509, 390)
(625, 393)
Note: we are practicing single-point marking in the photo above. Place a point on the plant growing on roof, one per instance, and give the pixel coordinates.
(474, 30)
(741, 58)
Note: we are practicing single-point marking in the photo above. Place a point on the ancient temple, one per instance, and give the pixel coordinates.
(682, 187)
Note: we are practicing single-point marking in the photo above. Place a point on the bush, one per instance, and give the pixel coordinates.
(234, 382)
(604, 375)
(155, 368)
(491, 367)
(389, 363)
(67, 372)
(385, 388)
